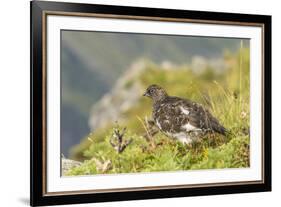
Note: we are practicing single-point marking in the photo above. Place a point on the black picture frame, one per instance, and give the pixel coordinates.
(39, 10)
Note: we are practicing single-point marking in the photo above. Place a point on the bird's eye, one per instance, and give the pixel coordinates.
(151, 90)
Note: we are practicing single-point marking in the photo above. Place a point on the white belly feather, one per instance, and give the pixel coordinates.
(188, 127)
(184, 136)
(184, 111)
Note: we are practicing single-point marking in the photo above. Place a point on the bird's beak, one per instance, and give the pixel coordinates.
(145, 94)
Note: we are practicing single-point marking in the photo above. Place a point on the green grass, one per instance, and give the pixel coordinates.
(225, 94)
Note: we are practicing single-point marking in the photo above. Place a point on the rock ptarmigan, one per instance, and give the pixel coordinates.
(180, 118)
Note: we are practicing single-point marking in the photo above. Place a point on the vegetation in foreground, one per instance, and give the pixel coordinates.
(114, 149)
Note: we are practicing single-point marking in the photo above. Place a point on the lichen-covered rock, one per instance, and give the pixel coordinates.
(67, 164)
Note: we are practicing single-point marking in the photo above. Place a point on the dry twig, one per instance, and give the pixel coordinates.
(102, 166)
(117, 140)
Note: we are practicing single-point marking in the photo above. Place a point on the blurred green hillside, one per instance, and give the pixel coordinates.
(91, 63)
(225, 93)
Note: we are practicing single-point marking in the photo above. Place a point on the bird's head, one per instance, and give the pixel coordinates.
(155, 92)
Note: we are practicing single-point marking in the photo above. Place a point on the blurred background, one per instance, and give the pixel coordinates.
(104, 74)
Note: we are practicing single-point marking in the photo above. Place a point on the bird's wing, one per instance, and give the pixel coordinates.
(201, 117)
(194, 116)
(170, 115)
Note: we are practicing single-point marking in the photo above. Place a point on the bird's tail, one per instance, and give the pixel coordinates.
(222, 130)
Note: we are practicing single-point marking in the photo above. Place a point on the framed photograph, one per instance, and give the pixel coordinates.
(140, 103)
